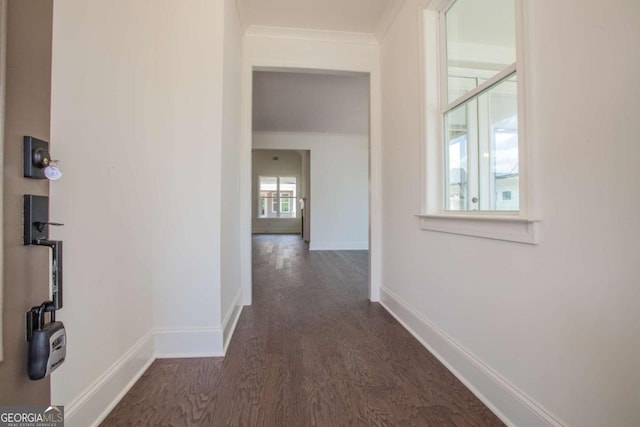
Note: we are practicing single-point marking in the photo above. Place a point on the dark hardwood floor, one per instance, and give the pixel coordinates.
(310, 351)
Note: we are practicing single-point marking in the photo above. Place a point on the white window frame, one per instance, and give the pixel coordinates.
(275, 203)
(520, 226)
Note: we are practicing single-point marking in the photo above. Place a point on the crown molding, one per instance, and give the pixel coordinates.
(310, 34)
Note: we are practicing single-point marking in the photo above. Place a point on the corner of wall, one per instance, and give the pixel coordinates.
(189, 342)
(388, 18)
(98, 400)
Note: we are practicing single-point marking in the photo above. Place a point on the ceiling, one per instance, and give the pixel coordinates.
(310, 102)
(486, 22)
(314, 102)
(360, 16)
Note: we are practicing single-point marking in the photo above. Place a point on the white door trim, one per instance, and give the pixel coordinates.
(293, 59)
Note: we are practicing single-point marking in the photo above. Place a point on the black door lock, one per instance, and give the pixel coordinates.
(47, 342)
(41, 225)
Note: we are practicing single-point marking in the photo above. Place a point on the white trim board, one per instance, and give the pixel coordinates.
(312, 50)
(330, 36)
(189, 342)
(92, 406)
(497, 227)
(505, 400)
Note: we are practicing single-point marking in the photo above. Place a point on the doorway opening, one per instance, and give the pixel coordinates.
(310, 132)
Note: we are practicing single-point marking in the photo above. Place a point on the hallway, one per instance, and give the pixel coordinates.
(311, 350)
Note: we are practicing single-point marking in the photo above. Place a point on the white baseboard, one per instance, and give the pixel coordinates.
(338, 246)
(510, 404)
(189, 342)
(231, 319)
(95, 403)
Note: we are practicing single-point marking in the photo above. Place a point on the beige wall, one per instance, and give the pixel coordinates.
(25, 278)
(547, 332)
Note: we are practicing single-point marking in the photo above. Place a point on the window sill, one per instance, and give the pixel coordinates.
(486, 225)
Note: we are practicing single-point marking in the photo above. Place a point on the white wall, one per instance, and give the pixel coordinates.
(187, 208)
(231, 210)
(546, 333)
(307, 49)
(289, 163)
(339, 176)
(137, 121)
(100, 113)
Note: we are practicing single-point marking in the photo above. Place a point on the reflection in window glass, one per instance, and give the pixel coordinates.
(268, 187)
(457, 159)
(481, 127)
(288, 198)
(481, 151)
(480, 42)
